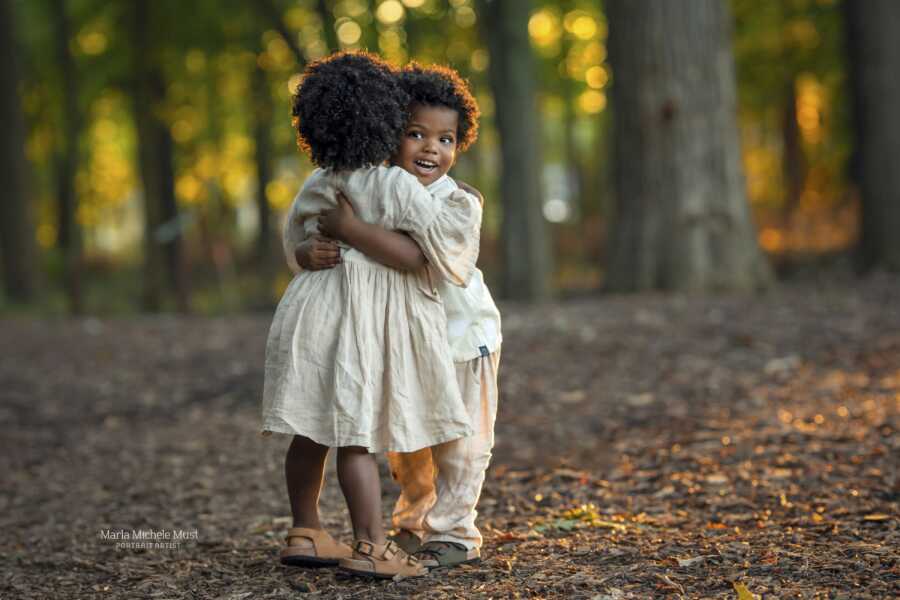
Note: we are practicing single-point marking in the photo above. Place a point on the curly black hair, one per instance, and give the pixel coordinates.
(436, 85)
(349, 111)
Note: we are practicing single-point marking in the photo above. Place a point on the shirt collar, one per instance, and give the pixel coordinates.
(442, 181)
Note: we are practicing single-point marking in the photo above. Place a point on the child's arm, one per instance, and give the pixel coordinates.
(390, 248)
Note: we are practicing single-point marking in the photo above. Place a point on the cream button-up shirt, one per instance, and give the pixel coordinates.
(473, 320)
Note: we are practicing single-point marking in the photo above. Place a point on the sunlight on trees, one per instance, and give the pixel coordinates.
(790, 70)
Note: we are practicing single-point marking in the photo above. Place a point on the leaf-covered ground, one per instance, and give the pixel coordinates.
(648, 447)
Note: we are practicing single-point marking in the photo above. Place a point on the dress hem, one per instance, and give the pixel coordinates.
(268, 430)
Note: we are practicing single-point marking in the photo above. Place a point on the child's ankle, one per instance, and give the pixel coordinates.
(307, 524)
(372, 537)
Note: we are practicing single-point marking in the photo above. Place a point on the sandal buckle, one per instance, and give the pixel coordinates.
(364, 547)
(391, 549)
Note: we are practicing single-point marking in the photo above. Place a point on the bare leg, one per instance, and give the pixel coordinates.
(304, 469)
(358, 475)
(414, 471)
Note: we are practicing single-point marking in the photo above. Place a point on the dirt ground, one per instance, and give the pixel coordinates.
(647, 447)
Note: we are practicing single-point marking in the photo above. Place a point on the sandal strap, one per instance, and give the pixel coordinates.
(303, 533)
(390, 550)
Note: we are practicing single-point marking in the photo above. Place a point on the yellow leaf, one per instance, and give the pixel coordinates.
(877, 517)
(743, 593)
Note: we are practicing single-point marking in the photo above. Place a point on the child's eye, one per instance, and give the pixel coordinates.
(446, 140)
(414, 134)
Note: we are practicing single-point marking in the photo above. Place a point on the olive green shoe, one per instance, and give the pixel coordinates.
(446, 554)
(407, 540)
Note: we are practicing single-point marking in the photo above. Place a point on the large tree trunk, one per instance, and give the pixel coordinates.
(162, 230)
(682, 216)
(526, 256)
(17, 246)
(874, 48)
(69, 236)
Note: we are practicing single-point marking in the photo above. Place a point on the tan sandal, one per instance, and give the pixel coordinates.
(312, 548)
(381, 561)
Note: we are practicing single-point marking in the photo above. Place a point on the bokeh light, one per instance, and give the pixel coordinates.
(390, 12)
(349, 32)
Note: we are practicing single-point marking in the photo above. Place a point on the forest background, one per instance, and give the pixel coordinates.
(159, 157)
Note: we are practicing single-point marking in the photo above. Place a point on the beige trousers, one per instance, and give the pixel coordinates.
(440, 486)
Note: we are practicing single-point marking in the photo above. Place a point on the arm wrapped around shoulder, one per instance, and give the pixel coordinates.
(451, 241)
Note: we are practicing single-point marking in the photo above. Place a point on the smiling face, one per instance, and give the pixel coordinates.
(428, 147)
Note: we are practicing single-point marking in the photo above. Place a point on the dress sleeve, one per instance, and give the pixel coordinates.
(446, 229)
(450, 241)
(300, 221)
(294, 234)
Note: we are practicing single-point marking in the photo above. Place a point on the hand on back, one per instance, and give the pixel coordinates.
(336, 222)
(317, 253)
(321, 251)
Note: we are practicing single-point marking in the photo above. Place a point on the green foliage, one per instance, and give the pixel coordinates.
(229, 66)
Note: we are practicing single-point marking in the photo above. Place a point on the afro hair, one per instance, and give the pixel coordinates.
(349, 111)
(436, 85)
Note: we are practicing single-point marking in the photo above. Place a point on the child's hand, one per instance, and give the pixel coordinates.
(336, 222)
(317, 253)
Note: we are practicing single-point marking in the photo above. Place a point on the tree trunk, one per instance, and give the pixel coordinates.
(571, 160)
(173, 238)
(682, 217)
(526, 256)
(162, 230)
(874, 52)
(69, 231)
(793, 162)
(327, 16)
(17, 246)
(262, 105)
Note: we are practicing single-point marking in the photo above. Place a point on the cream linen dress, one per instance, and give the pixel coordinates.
(358, 355)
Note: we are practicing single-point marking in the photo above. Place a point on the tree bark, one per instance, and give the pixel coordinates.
(162, 233)
(682, 219)
(327, 16)
(874, 51)
(793, 162)
(69, 239)
(17, 241)
(273, 14)
(526, 255)
(571, 160)
(262, 105)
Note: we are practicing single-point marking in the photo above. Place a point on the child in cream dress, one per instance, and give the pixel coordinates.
(358, 355)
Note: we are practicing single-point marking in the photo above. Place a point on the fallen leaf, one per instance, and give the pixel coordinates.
(877, 517)
(640, 399)
(668, 582)
(687, 562)
(743, 593)
(573, 397)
